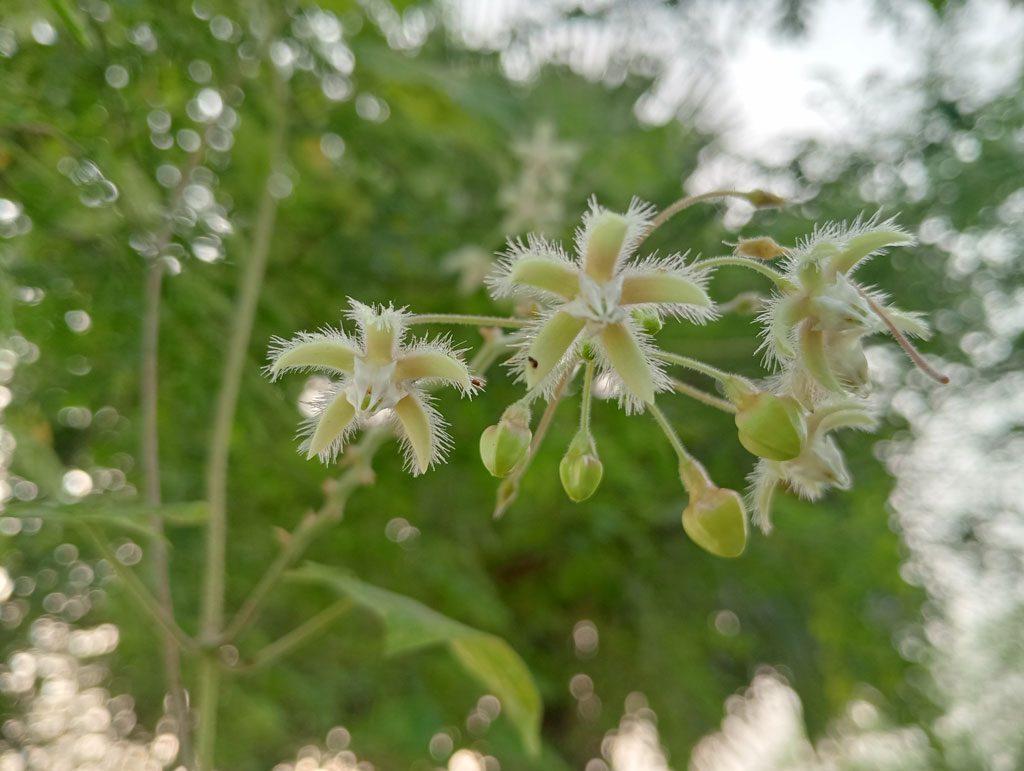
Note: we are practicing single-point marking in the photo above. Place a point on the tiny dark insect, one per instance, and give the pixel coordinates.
(533, 361)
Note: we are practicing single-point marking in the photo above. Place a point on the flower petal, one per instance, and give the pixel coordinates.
(625, 355)
(547, 274)
(550, 344)
(812, 354)
(607, 234)
(318, 353)
(662, 287)
(416, 424)
(433, 365)
(864, 245)
(335, 418)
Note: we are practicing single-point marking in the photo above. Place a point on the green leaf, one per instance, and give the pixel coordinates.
(132, 516)
(410, 625)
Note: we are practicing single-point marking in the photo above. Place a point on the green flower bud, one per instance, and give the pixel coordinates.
(715, 521)
(771, 426)
(505, 445)
(649, 321)
(581, 469)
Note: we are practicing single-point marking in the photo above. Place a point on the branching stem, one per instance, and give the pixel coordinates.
(508, 322)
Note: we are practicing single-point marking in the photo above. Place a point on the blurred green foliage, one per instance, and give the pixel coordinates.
(820, 600)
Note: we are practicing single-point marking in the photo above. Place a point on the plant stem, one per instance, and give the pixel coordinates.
(296, 637)
(303, 535)
(146, 601)
(150, 452)
(478, 321)
(220, 440)
(905, 344)
(756, 197)
(743, 262)
(509, 488)
(698, 366)
(691, 471)
(695, 393)
(588, 380)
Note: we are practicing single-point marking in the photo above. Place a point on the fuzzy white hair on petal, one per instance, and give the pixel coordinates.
(678, 266)
(440, 441)
(388, 317)
(499, 282)
(629, 401)
(279, 347)
(308, 426)
(638, 218)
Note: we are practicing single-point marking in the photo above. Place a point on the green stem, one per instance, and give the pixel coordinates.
(691, 472)
(743, 262)
(477, 321)
(756, 197)
(695, 393)
(220, 440)
(146, 601)
(296, 637)
(725, 378)
(588, 380)
(304, 534)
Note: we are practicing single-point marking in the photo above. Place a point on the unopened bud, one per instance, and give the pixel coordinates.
(763, 248)
(716, 521)
(771, 426)
(505, 445)
(649, 321)
(581, 469)
(762, 199)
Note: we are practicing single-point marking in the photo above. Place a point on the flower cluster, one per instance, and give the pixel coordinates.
(812, 329)
(596, 311)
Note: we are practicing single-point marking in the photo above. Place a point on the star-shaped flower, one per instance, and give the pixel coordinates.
(818, 321)
(593, 296)
(379, 374)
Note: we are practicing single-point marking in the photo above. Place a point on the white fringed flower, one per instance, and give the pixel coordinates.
(593, 296)
(820, 464)
(818, 324)
(379, 375)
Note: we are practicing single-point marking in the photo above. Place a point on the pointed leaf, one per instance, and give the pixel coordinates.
(410, 625)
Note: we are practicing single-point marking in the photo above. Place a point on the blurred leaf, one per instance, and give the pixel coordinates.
(411, 625)
(133, 516)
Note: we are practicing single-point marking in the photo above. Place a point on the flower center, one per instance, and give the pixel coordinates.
(371, 388)
(598, 302)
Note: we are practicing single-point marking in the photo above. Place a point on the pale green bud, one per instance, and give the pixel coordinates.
(771, 426)
(649, 321)
(716, 521)
(505, 445)
(581, 469)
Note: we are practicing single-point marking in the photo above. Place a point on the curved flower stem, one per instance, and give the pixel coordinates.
(757, 197)
(695, 393)
(588, 380)
(478, 321)
(296, 637)
(759, 267)
(905, 344)
(691, 471)
(725, 378)
(509, 487)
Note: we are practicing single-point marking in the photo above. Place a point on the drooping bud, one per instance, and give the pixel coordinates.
(581, 469)
(762, 199)
(505, 445)
(716, 521)
(771, 426)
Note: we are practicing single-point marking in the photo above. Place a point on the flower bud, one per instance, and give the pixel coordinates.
(762, 248)
(771, 426)
(649, 321)
(715, 521)
(581, 469)
(505, 445)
